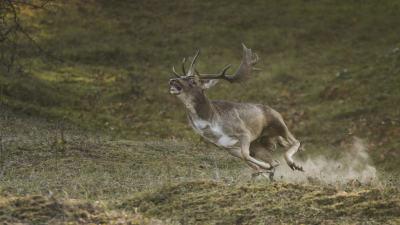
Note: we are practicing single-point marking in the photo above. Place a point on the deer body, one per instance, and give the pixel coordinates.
(214, 132)
(246, 130)
(228, 122)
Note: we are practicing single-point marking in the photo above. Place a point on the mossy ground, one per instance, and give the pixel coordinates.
(48, 210)
(212, 202)
(102, 126)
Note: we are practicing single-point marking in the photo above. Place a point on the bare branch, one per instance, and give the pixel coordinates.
(43, 6)
(11, 31)
(27, 35)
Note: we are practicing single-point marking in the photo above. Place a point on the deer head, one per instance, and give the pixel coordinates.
(193, 83)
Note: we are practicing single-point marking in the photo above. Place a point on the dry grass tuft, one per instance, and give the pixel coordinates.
(43, 210)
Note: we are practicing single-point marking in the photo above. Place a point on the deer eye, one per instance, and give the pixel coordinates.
(192, 82)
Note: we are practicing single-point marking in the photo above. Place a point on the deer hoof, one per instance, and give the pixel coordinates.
(271, 177)
(292, 166)
(271, 173)
(255, 174)
(295, 167)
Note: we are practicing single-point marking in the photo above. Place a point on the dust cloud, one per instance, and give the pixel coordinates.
(352, 166)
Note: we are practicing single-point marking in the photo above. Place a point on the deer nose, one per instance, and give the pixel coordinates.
(171, 81)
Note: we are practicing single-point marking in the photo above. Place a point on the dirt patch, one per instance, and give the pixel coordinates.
(352, 167)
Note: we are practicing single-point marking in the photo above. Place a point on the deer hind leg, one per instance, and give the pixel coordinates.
(284, 137)
(282, 142)
(245, 153)
(262, 150)
(295, 144)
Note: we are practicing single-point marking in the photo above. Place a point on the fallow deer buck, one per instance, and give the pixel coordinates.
(248, 131)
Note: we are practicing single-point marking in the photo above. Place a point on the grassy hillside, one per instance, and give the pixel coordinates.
(330, 69)
(53, 174)
(102, 125)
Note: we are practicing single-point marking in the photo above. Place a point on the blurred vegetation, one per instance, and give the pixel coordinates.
(331, 69)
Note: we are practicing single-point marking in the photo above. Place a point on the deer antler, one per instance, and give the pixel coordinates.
(175, 73)
(241, 75)
(183, 66)
(183, 69)
(191, 69)
(192, 66)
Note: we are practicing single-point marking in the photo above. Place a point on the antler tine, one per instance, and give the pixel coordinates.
(198, 74)
(222, 74)
(191, 68)
(213, 76)
(183, 66)
(242, 74)
(175, 73)
(224, 70)
(255, 61)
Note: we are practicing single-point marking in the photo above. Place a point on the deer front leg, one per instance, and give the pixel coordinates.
(237, 153)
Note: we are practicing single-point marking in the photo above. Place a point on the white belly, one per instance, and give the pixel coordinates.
(213, 133)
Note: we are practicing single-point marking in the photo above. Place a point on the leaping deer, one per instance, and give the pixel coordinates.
(248, 131)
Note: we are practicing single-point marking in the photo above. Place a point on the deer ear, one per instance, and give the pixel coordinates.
(210, 83)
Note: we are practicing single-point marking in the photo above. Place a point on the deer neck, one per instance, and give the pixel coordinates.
(198, 107)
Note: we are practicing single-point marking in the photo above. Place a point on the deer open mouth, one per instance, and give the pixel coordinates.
(175, 89)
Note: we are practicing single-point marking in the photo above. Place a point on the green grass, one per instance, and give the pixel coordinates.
(81, 165)
(105, 122)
